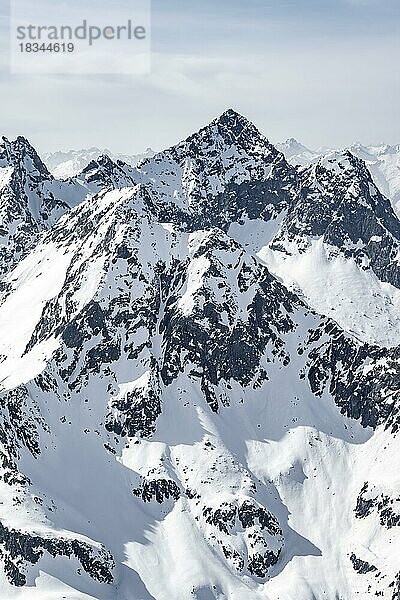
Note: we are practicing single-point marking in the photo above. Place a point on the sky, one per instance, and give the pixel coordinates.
(322, 71)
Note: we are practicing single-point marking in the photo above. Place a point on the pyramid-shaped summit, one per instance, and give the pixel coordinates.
(235, 129)
(233, 121)
(227, 131)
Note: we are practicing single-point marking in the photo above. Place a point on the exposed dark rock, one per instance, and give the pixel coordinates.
(158, 489)
(17, 549)
(361, 566)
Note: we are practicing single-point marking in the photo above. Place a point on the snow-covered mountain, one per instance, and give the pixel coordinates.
(298, 154)
(383, 162)
(31, 200)
(103, 173)
(176, 423)
(65, 164)
(340, 245)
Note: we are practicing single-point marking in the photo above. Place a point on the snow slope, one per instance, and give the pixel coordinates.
(338, 246)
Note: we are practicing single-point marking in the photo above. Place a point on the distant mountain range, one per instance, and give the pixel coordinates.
(71, 162)
(200, 372)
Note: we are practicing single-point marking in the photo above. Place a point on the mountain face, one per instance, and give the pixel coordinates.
(339, 246)
(31, 200)
(27, 204)
(383, 162)
(103, 173)
(225, 173)
(64, 165)
(175, 421)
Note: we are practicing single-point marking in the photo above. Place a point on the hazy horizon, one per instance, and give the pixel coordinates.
(116, 150)
(324, 73)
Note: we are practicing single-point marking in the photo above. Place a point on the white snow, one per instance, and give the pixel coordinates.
(5, 176)
(335, 286)
(35, 281)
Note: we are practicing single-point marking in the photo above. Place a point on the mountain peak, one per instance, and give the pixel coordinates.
(294, 144)
(233, 130)
(233, 123)
(344, 163)
(21, 152)
(102, 160)
(230, 116)
(104, 172)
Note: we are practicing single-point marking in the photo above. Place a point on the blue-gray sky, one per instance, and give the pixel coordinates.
(323, 71)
